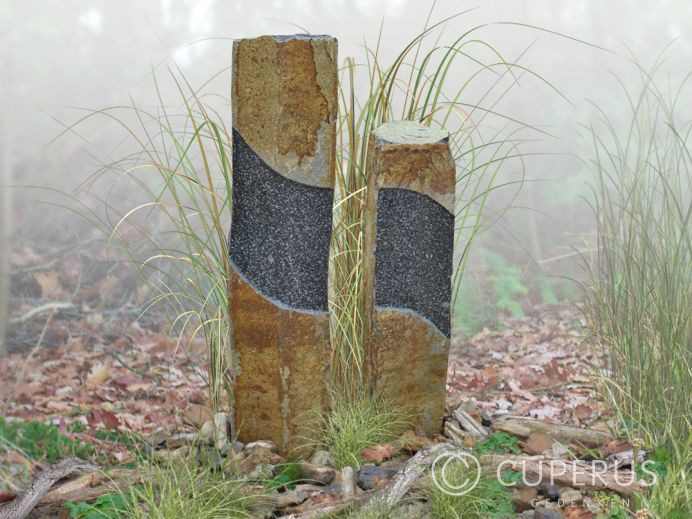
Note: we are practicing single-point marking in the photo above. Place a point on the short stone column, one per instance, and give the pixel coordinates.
(284, 99)
(408, 244)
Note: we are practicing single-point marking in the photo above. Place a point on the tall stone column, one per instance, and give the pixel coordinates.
(408, 244)
(284, 97)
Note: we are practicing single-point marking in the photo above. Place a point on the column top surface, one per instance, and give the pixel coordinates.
(409, 132)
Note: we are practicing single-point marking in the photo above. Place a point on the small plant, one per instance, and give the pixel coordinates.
(109, 506)
(481, 301)
(353, 425)
(611, 506)
(489, 499)
(290, 473)
(41, 442)
(501, 443)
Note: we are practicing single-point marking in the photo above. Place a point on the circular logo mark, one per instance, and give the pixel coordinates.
(452, 479)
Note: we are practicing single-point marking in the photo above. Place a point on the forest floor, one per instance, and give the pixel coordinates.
(102, 372)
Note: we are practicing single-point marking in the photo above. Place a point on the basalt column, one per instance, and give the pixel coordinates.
(408, 242)
(284, 97)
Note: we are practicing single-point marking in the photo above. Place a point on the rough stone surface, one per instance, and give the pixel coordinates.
(284, 91)
(284, 99)
(348, 482)
(524, 498)
(544, 513)
(571, 496)
(371, 477)
(408, 344)
(413, 255)
(408, 253)
(282, 355)
(416, 157)
(317, 473)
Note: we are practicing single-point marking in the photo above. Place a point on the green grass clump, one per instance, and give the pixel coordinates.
(611, 506)
(488, 500)
(41, 442)
(373, 509)
(187, 489)
(353, 425)
(670, 496)
(640, 302)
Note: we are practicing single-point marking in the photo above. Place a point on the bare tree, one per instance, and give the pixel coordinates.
(5, 202)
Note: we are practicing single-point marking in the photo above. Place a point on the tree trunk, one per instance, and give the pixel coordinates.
(5, 203)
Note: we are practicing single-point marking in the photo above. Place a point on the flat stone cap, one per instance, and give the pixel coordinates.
(281, 38)
(409, 132)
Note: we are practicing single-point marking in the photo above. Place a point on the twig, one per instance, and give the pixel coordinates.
(22, 506)
(48, 307)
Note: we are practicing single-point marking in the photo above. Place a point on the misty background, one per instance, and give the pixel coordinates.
(59, 58)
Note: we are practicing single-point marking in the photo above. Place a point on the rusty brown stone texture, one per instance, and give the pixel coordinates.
(284, 99)
(407, 354)
(282, 357)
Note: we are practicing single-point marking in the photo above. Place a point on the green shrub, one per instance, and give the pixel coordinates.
(483, 298)
(501, 443)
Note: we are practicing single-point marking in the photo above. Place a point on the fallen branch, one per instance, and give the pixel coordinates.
(53, 488)
(415, 468)
(593, 475)
(331, 508)
(22, 506)
(48, 307)
(523, 427)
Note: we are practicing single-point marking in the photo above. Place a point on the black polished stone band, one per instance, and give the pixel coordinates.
(280, 232)
(413, 266)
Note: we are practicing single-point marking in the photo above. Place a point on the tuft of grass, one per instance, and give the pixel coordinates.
(670, 496)
(611, 506)
(187, 489)
(352, 425)
(174, 224)
(640, 302)
(489, 499)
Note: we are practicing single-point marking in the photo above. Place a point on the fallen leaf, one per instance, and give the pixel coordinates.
(381, 452)
(196, 415)
(613, 446)
(49, 283)
(110, 420)
(537, 443)
(98, 374)
(577, 512)
(582, 412)
(412, 442)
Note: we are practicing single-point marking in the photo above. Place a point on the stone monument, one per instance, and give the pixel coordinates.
(284, 98)
(408, 242)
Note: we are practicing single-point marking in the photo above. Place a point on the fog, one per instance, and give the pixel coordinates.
(58, 58)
